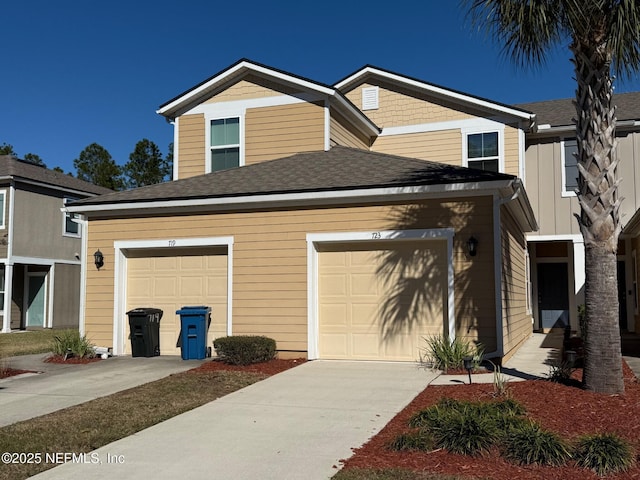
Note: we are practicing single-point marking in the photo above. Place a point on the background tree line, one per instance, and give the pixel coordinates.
(146, 165)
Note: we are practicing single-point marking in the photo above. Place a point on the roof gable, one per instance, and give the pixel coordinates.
(244, 68)
(370, 73)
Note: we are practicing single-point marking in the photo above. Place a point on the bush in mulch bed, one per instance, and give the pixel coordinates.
(568, 412)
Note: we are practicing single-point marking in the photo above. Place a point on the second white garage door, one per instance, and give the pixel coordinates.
(354, 285)
(171, 280)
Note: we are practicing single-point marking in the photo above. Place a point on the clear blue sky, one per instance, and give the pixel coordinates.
(77, 72)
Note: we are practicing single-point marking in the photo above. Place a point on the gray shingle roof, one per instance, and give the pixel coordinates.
(18, 169)
(561, 112)
(340, 168)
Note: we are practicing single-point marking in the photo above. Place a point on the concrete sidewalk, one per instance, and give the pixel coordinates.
(59, 386)
(295, 425)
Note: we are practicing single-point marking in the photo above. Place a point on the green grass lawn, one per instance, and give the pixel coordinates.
(86, 427)
(27, 342)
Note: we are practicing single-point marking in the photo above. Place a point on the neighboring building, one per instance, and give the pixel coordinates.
(557, 248)
(40, 246)
(339, 220)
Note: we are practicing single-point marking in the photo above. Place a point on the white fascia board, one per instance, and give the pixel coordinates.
(42, 261)
(569, 237)
(248, 66)
(467, 124)
(369, 127)
(546, 129)
(460, 97)
(457, 189)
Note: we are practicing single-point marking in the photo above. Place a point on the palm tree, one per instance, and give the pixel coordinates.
(603, 37)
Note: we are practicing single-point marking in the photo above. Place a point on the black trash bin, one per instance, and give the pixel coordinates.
(144, 325)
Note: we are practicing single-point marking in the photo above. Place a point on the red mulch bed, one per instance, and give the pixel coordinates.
(569, 411)
(73, 360)
(11, 372)
(271, 367)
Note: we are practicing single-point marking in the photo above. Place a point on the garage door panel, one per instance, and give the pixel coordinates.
(377, 293)
(171, 282)
(336, 345)
(365, 345)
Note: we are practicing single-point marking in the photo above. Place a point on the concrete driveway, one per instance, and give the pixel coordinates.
(59, 386)
(295, 425)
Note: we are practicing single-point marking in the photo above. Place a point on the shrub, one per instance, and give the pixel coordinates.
(444, 354)
(245, 349)
(560, 373)
(604, 453)
(71, 341)
(414, 440)
(528, 443)
(464, 432)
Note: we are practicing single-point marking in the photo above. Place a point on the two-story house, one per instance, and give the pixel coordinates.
(40, 246)
(343, 221)
(557, 248)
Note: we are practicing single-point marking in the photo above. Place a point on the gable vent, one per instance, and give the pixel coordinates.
(370, 98)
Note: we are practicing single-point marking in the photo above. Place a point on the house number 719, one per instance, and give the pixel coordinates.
(172, 243)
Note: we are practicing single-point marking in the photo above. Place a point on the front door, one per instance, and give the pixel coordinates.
(553, 295)
(36, 299)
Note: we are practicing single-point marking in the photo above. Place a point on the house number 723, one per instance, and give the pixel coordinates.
(376, 235)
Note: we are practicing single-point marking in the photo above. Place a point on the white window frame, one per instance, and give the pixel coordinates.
(220, 116)
(465, 152)
(65, 215)
(563, 170)
(3, 220)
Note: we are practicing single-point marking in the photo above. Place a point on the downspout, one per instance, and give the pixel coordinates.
(84, 228)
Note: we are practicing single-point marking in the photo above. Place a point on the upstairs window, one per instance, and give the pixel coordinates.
(70, 228)
(483, 151)
(225, 143)
(569, 167)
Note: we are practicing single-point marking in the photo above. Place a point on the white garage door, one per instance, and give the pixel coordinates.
(171, 280)
(377, 306)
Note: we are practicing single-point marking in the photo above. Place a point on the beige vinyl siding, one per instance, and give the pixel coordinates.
(511, 151)
(66, 299)
(270, 261)
(343, 133)
(274, 132)
(398, 107)
(191, 145)
(516, 322)
(250, 87)
(442, 146)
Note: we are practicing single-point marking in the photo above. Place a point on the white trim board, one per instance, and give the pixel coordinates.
(313, 239)
(120, 276)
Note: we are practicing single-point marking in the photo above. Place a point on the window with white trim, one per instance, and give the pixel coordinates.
(569, 152)
(69, 227)
(225, 143)
(483, 151)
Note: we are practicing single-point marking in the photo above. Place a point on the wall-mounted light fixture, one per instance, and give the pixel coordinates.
(98, 259)
(472, 246)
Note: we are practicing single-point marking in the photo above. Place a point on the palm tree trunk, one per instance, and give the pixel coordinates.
(599, 217)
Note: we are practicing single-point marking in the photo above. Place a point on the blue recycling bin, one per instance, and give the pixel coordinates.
(194, 325)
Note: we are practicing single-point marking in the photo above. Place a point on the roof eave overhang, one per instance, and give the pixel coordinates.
(547, 130)
(50, 186)
(441, 92)
(316, 198)
(517, 201)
